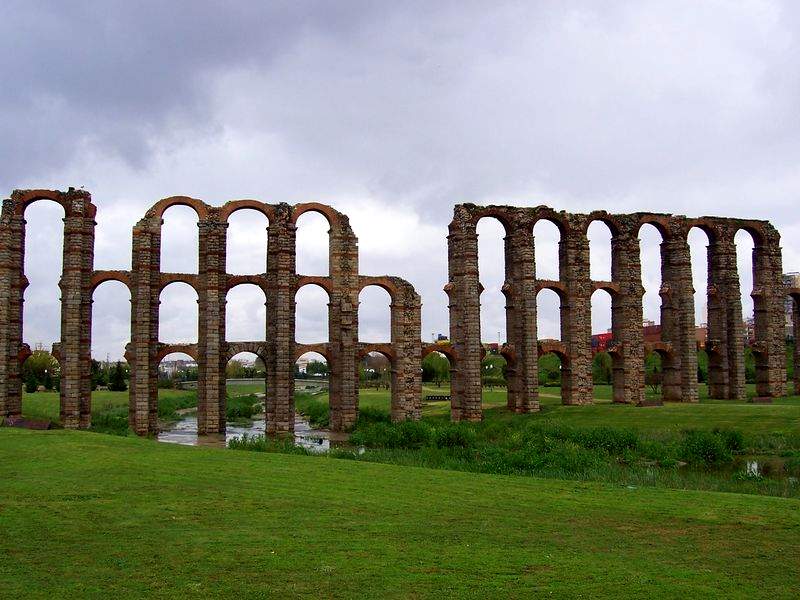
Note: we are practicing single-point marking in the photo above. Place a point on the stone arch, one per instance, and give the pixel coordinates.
(159, 208)
(331, 214)
(232, 206)
(100, 277)
(257, 280)
(493, 229)
(321, 349)
(257, 348)
(165, 350)
(190, 279)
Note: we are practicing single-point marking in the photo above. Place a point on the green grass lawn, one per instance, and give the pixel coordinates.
(86, 515)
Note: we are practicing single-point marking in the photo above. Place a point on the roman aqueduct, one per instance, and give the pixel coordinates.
(405, 350)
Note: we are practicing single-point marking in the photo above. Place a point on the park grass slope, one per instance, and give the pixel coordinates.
(86, 515)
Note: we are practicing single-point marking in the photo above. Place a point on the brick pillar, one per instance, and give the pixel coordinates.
(280, 342)
(143, 348)
(796, 331)
(626, 316)
(464, 291)
(725, 342)
(520, 291)
(406, 326)
(211, 345)
(576, 315)
(343, 325)
(76, 310)
(769, 295)
(677, 318)
(12, 288)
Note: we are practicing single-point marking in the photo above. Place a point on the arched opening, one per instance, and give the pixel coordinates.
(312, 243)
(493, 379)
(246, 245)
(41, 380)
(654, 375)
(548, 315)
(175, 371)
(698, 248)
(179, 240)
(245, 314)
(599, 235)
(178, 314)
(111, 331)
(436, 373)
(311, 314)
(550, 391)
(376, 381)
(245, 382)
(602, 361)
(44, 243)
(650, 240)
(753, 361)
(177, 398)
(546, 239)
(374, 315)
(111, 321)
(312, 400)
(491, 273)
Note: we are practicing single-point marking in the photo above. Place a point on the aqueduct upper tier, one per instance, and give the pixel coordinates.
(145, 280)
(677, 347)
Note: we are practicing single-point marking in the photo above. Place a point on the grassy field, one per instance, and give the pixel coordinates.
(86, 515)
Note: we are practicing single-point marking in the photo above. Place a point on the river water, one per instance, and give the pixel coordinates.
(185, 432)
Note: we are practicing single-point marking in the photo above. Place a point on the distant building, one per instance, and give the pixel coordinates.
(172, 367)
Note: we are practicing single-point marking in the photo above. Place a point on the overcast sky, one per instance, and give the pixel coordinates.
(392, 112)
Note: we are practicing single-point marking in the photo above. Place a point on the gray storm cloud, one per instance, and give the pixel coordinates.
(393, 113)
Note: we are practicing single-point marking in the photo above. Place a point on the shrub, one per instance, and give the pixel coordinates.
(31, 385)
(241, 407)
(732, 438)
(704, 448)
(317, 413)
(455, 435)
(372, 414)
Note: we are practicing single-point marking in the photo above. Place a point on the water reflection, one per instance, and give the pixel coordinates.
(185, 432)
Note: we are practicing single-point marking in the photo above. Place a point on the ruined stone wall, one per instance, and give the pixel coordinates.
(280, 282)
(678, 345)
(145, 281)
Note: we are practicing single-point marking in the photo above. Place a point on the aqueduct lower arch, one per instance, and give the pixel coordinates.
(405, 350)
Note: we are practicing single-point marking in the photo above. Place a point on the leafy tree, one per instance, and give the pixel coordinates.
(435, 368)
(702, 366)
(31, 385)
(39, 363)
(117, 382)
(602, 368)
(549, 369)
(317, 367)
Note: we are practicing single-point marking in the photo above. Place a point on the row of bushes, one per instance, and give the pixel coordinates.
(539, 444)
